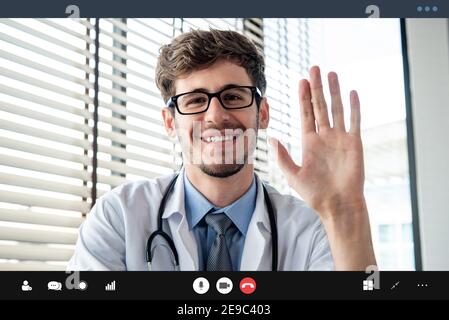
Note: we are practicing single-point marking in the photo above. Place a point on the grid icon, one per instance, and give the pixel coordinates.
(368, 285)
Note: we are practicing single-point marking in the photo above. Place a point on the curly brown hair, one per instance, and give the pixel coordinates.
(199, 49)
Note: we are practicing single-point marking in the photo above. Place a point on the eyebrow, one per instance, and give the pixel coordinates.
(229, 85)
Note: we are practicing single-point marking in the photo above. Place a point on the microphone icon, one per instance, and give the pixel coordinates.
(201, 285)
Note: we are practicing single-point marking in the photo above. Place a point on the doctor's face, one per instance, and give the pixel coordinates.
(219, 141)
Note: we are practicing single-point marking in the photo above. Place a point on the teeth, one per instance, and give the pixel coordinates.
(219, 138)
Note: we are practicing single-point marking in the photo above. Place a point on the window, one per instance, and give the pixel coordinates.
(47, 95)
(367, 55)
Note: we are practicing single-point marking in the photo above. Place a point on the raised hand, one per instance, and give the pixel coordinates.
(331, 177)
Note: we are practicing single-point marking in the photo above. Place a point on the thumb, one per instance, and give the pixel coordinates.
(285, 162)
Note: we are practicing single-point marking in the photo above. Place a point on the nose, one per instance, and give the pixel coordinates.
(216, 113)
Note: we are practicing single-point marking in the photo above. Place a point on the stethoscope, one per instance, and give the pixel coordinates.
(160, 232)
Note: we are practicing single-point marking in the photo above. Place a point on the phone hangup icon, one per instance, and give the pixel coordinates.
(247, 285)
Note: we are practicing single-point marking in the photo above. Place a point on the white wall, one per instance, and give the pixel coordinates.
(428, 52)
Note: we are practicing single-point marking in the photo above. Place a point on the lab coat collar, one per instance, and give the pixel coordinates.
(175, 214)
(257, 251)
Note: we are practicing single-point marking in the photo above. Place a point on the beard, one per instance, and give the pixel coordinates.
(223, 170)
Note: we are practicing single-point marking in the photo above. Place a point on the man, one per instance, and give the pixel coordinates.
(216, 213)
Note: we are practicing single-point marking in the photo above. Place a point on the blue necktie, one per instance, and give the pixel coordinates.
(219, 258)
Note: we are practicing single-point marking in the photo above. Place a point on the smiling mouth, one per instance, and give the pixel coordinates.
(219, 138)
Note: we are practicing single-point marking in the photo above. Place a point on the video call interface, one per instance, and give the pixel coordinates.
(283, 151)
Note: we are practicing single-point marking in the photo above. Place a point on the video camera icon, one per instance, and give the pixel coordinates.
(224, 285)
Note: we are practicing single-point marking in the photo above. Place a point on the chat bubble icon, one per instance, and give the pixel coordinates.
(54, 285)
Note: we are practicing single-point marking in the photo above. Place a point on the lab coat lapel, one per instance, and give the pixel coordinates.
(184, 240)
(257, 250)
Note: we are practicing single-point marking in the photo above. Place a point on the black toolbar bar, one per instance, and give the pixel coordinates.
(226, 9)
(223, 286)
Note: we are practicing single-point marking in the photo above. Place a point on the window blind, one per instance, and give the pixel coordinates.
(47, 76)
(285, 43)
(45, 95)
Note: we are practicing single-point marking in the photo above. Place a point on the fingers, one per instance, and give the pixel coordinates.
(337, 105)
(355, 113)
(285, 162)
(318, 100)
(306, 110)
(314, 107)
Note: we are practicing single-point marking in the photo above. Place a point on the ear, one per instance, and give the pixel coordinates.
(169, 121)
(264, 114)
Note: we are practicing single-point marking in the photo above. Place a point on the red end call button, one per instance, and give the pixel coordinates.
(247, 285)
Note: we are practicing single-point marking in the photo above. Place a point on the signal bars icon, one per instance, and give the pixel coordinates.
(110, 286)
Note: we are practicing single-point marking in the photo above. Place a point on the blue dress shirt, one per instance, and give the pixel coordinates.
(240, 212)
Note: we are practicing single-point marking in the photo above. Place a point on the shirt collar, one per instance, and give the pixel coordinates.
(240, 211)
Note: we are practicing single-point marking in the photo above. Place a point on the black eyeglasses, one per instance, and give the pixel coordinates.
(235, 97)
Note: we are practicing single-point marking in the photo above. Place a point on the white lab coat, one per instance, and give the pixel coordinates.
(115, 233)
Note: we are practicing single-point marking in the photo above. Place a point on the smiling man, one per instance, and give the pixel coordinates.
(216, 214)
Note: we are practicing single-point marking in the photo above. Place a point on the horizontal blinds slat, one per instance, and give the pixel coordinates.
(25, 112)
(45, 53)
(220, 23)
(254, 38)
(125, 28)
(113, 181)
(45, 69)
(124, 55)
(35, 252)
(153, 28)
(119, 123)
(125, 97)
(126, 112)
(45, 85)
(45, 202)
(26, 164)
(123, 154)
(44, 151)
(16, 233)
(123, 68)
(86, 23)
(123, 139)
(41, 184)
(58, 170)
(32, 31)
(41, 218)
(22, 163)
(44, 134)
(122, 40)
(124, 83)
(44, 101)
(277, 88)
(250, 25)
(31, 266)
(123, 168)
(66, 30)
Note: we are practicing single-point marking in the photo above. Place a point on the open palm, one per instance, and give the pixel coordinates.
(331, 176)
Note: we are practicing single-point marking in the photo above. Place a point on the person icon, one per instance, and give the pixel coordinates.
(26, 286)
